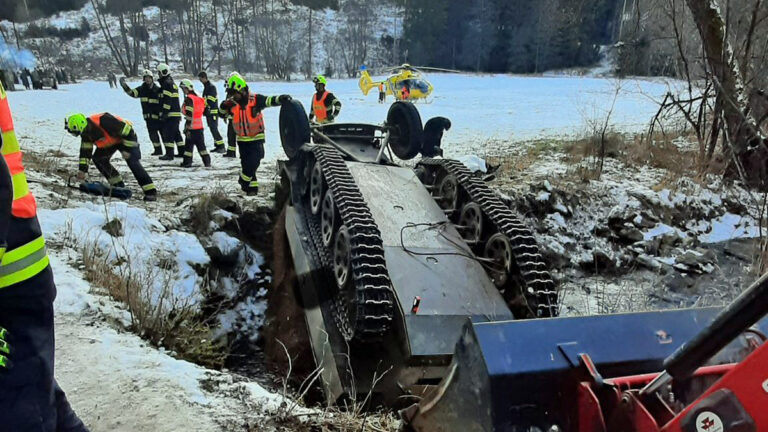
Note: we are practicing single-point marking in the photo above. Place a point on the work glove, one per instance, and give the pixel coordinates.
(331, 117)
(5, 351)
(283, 99)
(81, 175)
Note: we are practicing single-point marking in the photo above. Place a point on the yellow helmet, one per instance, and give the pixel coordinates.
(187, 84)
(320, 80)
(163, 69)
(75, 124)
(236, 82)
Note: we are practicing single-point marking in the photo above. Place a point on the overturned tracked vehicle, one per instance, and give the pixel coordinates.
(390, 260)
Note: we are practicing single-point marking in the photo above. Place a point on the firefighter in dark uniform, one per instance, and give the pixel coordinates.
(224, 112)
(170, 113)
(109, 133)
(212, 112)
(248, 124)
(30, 398)
(149, 95)
(324, 105)
(194, 108)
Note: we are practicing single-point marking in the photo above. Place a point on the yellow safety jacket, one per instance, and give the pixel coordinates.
(20, 261)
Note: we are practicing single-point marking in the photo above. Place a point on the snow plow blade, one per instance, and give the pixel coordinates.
(512, 373)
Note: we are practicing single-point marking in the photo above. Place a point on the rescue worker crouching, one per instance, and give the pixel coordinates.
(193, 108)
(212, 112)
(30, 397)
(149, 95)
(109, 133)
(248, 124)
(170, 113)
(325, 106)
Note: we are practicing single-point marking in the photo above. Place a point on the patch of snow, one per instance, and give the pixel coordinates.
(543, 196)
(473, 163)
(225, 242)
(730, 226)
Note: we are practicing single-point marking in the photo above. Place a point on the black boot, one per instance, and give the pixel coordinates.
(187, 162)
(230, 154)
(207, 160)
(150, 197)
(167, 157)
(158, 151)
(219, 149)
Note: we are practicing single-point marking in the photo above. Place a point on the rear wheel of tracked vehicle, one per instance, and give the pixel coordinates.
(405, 130)
(471, 221)
(294, 127)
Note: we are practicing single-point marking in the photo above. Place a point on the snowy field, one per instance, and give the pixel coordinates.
(483, 109)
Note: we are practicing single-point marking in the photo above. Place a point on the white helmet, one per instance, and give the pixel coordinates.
(163, 70)
(147, 73)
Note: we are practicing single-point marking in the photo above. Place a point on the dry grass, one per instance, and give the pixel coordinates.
(157, 314)
(49, 163)
(522, 160)
(202, 210)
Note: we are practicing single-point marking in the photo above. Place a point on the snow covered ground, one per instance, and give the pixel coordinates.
(105, 369)
(488, 113)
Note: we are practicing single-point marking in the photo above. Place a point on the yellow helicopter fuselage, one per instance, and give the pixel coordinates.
(396, 85)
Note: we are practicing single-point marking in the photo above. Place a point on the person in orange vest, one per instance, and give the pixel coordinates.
(109, 133)
(193, 109)
(248, 123)
(382, 93)
(30, 397)
(325, 106)
(406, 93)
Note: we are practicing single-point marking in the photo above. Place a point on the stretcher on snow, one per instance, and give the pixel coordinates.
(100, 189)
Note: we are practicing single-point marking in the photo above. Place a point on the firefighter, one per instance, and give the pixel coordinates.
(405, 94)
(193, 108)
(248, 124)
(382, 93)
(224, 111)
(433, 135)
(30, 397)
(324, 106)
(170, 113)
(149, 95)
(212, 112)
(109, 133)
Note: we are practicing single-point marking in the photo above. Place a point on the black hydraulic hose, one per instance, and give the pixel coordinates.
(733, 320)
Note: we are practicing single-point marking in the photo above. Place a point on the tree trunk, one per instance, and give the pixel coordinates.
(309, 53)
(748, 147)
(162, 31)
(16, 35)
(724, 67)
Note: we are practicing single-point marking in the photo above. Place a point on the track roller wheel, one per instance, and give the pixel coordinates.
(471, 221)
(499, 249)
(342, 268)
(316, 189)
(328, 218)
(448, 192)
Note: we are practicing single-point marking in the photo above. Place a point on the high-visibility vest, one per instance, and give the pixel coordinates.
(319, 108)
(24, 261)
(24, 205)
(107, 140)
(198, 107)
(406, 93)
(248, 127)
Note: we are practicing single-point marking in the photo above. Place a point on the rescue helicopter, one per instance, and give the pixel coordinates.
(405, 82)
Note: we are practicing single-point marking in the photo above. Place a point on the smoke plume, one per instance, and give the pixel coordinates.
(15, 59)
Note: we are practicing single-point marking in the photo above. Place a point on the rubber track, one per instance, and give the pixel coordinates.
(534, 272)
(370, 277)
